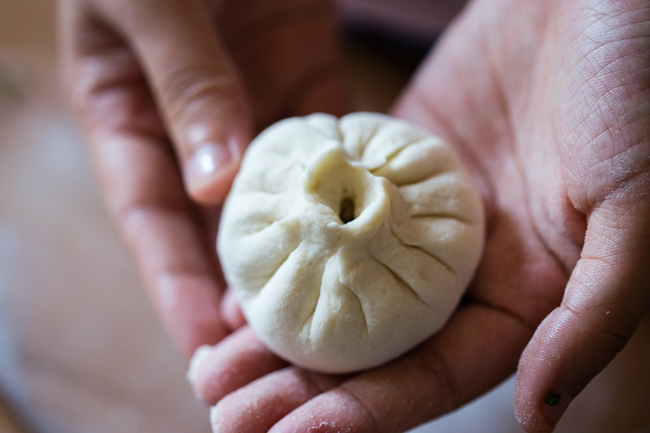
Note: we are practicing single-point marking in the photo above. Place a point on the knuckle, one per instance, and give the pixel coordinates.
(607, 330)
(372, 419)
(614, 332)
(192, 88)
(446, 383)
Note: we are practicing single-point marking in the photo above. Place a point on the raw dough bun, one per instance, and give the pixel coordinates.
(338, 297)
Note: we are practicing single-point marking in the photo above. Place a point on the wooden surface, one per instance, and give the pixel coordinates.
(81, 350)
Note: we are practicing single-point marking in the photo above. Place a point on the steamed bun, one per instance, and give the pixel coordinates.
(349, 241)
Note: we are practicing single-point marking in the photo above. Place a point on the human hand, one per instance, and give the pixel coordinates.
(559, 131)
(169, 93)
(546, 102)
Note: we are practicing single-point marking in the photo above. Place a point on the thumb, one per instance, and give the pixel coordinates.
(196, 86)
(607, 295)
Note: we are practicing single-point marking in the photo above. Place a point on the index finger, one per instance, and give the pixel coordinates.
(141, 180)
(195, 85)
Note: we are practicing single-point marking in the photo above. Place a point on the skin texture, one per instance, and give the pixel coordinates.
(556, 125)
(546, 101)
(156, 83)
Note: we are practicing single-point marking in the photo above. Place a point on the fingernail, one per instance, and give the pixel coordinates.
(208, 159)
(209, 155)
(554, 406)
(199, 355)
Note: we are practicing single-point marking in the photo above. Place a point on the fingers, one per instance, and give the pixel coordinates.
(231, 312)
(477, 349)
(164, 234)
(606, 297)
(140, 178)
(236, 361)
(270, 398)
(196, 87)
(432, 380)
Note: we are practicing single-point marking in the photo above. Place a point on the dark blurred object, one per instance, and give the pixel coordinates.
(415, 20)
(12, 82)
(385, 41)
(378, 66)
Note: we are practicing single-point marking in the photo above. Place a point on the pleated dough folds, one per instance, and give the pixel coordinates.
(349, 241)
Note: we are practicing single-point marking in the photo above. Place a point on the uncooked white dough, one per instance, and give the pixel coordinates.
(349, 241)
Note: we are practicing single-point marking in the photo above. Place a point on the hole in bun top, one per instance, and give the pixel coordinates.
(341, 185)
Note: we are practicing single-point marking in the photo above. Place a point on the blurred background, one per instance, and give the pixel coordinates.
(81, 350)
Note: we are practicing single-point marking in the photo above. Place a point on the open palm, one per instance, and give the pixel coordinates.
(554, 118)
(548, 104)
